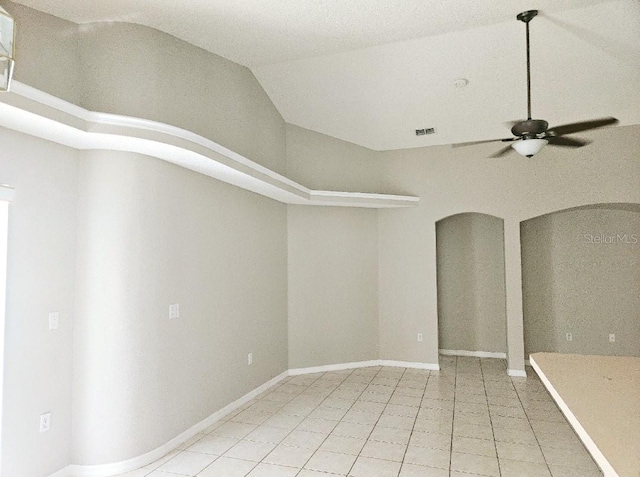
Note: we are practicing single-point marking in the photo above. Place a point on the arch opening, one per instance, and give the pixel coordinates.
(471, 285)
(581, 276)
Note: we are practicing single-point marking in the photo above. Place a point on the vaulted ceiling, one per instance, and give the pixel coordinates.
(373, 71)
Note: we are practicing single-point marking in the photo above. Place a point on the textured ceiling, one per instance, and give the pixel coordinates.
(373, 71)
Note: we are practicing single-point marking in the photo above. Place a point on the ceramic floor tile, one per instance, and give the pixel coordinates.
(427, 457)
(430, 439)
(395, 422)
(478, 464)
(580, 459)
(514, 435)
(343, 444)
(250, 450)
(212, 444)
(331, 462)
(361, 417)
(304, 439)
(269, 470)
(369, 467)
(564, 471)
(284, 421)
(388, 434)
(187, 463)
(521, 452)
(226, 467)
(412, 470)
(469, 445)
(398, 422)
(237, 430)
(470, 430)
(384, 450)
(273, 435)
(514, 468)
(310, 424)
(289, 456)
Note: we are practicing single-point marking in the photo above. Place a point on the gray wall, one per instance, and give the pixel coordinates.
(137, 71)
(573, 284)
(40, 280)
(151, 234)
(471, 292)
(333, 285)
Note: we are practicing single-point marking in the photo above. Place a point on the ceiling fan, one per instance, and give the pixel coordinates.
(531, 135)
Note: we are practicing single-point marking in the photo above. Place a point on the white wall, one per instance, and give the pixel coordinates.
(137, 71)
(40, 279)
(333, 285)
(152, 234)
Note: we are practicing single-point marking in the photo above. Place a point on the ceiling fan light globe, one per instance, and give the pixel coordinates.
(529, 147)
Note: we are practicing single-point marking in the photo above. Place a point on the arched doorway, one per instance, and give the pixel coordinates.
(471, 285)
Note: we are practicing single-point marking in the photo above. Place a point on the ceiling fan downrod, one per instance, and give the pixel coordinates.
(526, 17)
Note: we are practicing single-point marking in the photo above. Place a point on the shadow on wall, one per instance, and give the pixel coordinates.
(471, 284)
(581, 276)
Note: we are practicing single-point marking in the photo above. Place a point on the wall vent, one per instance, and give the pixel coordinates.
(425, 131)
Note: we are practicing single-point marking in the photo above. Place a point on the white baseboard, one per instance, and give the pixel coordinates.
(108, 470)
(333, 367)
(363, 364)
(473, 354)
(410, 364)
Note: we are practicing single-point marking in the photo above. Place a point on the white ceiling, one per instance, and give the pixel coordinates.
(373, 71)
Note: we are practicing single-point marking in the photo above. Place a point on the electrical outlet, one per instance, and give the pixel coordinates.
(569, 337)
(45, 422)
(250, 359)
(174, 311)
(612, 338)
(420, 337)
(54, 320)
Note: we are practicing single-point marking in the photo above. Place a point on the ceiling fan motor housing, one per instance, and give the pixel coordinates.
(530, 128)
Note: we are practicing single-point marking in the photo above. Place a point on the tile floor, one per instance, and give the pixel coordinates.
(467, 420)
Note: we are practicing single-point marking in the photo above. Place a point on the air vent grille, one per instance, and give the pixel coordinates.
(425, 131)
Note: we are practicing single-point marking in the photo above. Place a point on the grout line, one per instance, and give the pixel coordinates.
(532, 430)
(493, 435)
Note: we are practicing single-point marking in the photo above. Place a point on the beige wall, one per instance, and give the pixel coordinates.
(151, 234)
(326, 163)
(40, 280)
(573, 284)
(47, 53)
(137, 71)
(333, 285)
(471, 291)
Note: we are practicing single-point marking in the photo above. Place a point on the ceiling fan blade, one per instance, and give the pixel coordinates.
(582, 126)
(502, 152)
(566, 142)
(473, 143)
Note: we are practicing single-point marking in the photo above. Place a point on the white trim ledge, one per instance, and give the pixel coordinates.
(34, 112)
